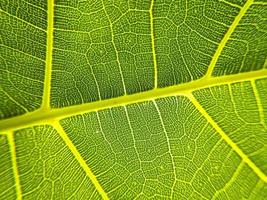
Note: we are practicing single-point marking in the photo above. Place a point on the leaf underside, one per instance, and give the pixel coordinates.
(133, 99)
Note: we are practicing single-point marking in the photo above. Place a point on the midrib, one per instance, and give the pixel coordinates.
(43, 116)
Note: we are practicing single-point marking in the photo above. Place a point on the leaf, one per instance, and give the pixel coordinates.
(129, 99)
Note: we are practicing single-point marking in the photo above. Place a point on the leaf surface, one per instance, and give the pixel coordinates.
(129, 99)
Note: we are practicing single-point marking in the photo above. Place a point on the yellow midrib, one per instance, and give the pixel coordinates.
(45, 114)
(226, 37)
(226, 138)
(41, 116)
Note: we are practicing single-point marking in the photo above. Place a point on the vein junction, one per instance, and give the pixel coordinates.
(46, 115)
(41, 116)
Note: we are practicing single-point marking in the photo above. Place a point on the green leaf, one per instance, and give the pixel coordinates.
(133, 99)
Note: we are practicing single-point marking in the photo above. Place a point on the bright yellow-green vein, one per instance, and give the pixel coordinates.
(49, 54)
(227, 139)
(41, 116)
(80, 159)
(10, 136)
(153, 45)
(227, 37)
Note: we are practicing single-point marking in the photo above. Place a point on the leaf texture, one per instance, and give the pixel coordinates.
(133, 99)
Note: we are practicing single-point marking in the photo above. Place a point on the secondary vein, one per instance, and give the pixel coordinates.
(49, 54)
(259, 103)
(153, 45)
(14, 164)
(80, 159)
(227, 139)
(227, 37)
